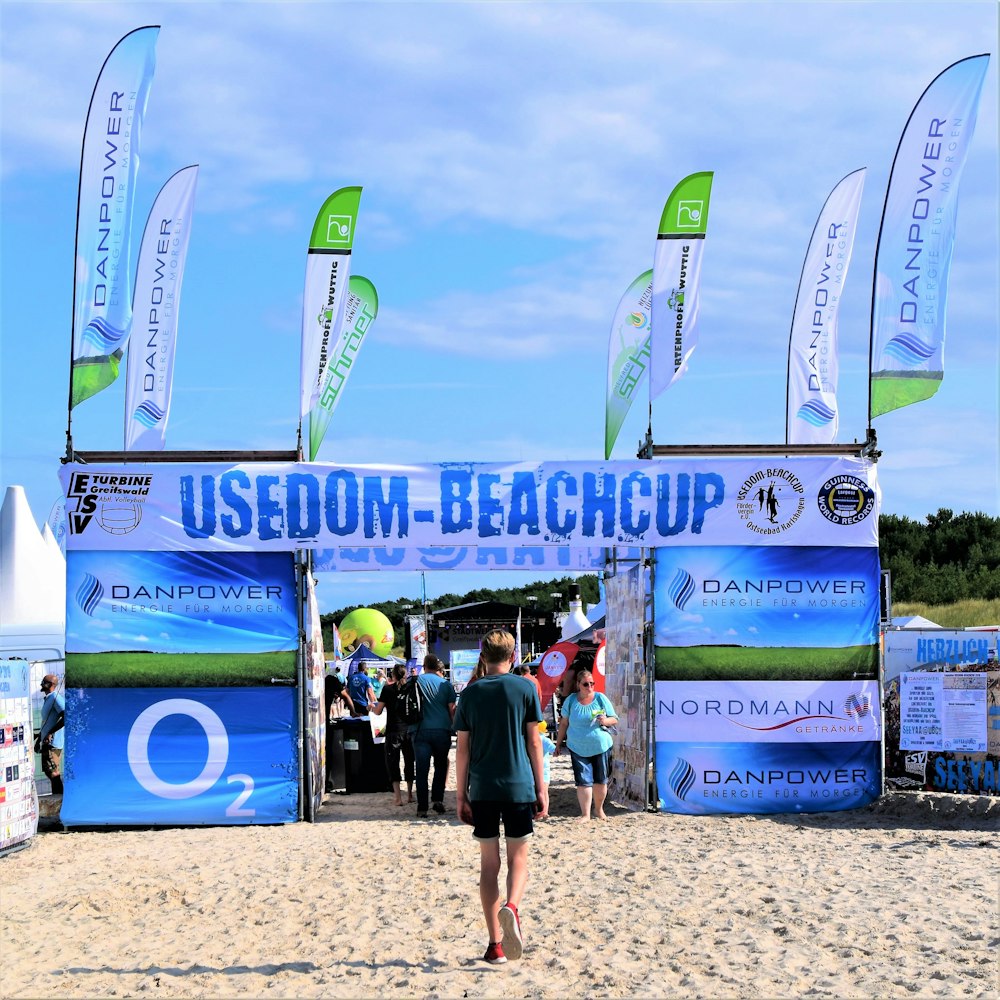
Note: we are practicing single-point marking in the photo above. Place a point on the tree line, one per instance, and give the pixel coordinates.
(949, 558)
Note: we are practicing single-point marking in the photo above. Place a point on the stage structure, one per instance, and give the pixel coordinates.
(189, 695)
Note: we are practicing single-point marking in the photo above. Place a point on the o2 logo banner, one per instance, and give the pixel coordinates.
(183, 756)
(766, 777)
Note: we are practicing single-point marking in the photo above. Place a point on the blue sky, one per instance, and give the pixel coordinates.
(515, 158)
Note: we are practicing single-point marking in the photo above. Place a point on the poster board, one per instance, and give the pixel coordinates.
(18, 796)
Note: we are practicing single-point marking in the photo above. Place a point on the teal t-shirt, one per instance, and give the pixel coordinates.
(584, 736)
(438, 695)
(494, 711)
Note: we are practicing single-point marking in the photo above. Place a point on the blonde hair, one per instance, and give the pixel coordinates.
(498, 647)
(480, 670)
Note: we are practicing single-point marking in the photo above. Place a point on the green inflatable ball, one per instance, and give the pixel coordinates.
(368, 626)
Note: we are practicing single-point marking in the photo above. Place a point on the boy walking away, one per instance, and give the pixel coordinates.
(499, 777)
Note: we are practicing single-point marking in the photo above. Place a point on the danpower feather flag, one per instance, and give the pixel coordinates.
(812, 415)
(917, 237)
(109, 162)
(155, 307)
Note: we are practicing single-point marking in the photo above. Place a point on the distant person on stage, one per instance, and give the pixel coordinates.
(432, 741)
(500, 777)
(52, 735)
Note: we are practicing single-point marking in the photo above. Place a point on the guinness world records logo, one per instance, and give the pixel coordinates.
(845, 499)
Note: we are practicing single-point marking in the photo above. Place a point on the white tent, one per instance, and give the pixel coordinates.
(32, 599)
(32, 585)
(912, 621)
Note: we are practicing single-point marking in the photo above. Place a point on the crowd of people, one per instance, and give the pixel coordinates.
(501, 757)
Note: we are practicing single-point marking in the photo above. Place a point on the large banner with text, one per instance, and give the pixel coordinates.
(279, 508)
(767, 659)
(180, 678)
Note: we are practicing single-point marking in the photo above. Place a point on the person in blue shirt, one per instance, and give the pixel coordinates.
(432, 741)
(359, 687)
(52, 734)
(586, 718)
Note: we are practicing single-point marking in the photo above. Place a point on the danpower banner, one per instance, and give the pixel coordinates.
(917, 238)
(747, 597)
(177, 602)
(813, 416)
(109, 164)
(806, 500)
(159, 277)
(181, 688)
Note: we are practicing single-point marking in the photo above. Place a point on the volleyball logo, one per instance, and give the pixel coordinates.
(120, 518)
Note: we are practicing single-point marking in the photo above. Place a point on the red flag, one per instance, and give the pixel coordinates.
(598, 671)
(554, 663)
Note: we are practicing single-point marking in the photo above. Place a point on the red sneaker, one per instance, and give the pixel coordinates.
(494, 954)
(511, 924)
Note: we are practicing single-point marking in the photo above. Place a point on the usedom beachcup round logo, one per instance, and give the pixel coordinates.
(846, 499)
(770, 501)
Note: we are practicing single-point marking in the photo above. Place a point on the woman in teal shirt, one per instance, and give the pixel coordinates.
(586, 718)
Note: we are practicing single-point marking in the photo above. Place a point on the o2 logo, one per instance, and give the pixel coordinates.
(215, 762)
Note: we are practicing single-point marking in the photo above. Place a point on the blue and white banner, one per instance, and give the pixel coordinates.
(180, 602)
(917, 237)
(767, 712)
(102, 298)
(767, 596)
(698, 779)
(937, 649)
(156, 304)
(805, 500)
(191, 756)
(813, 354)
(465, 557)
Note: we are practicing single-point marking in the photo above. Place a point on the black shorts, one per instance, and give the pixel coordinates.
(517, 819)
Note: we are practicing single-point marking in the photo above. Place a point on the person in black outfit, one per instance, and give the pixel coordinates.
(398, 738)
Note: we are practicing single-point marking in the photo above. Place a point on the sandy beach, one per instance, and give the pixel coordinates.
(896, 900)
